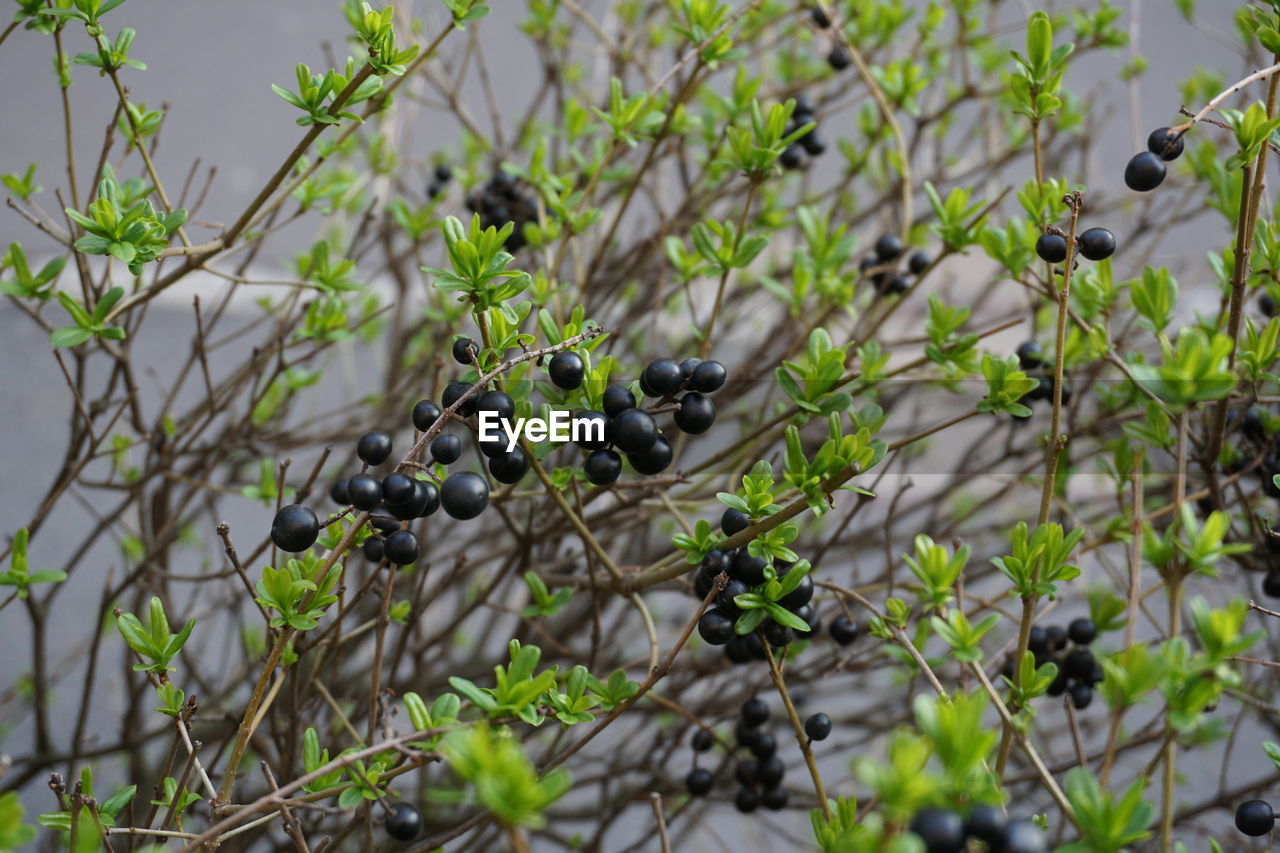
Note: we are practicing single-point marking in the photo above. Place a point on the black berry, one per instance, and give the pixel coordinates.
(888, 248)
(374, 447)
(661, 378)
(1052, 248)
(775, 799)
(401, 548)
(509, 467)
(702, 740)
(839, 58)
(616, 400)
(1081, 695)
(1271, 584)
(464, 495)
(699, 781)
(769, 772)
(748, 569)
(1165, 144)
(364, 491)
(813, 143)
(497, 402)
(696, 413)
(654, 460)
(443, 172)
(425, 413)
(792, 157)
(734, 521)
(397, 488)
(715, 628)
(634, 431)
(1030, 355)
(708, 377)
(764, 746)
(1055, 638)
(453, 392)
(1254, 817)
(566, 369)
(446, 448)
(464, 350)
(1082, 631)
(746, 735)
(1097, 244)
(403, 822)
(755, 711)
(818, 726)
(1022, 836)
(843, 630)
(940, 830)
(819, 17)
(918, 262)
(777, 635)
(338, 492)
(747, 800)
(602, 467)
(1078, 663)
(373, 549)
(295, 528)
(1144, 172)
(590, 424)
(800, 596)
(1267, 304)
(419, 503)
(725, 600)
(985, 823)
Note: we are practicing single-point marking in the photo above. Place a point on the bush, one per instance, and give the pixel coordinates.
(767, 417)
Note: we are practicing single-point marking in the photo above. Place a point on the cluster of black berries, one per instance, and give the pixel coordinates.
(811, 143)
(1146, 170)
(944, 831)
(500, 201)
(881, 267)
(629, 429)
(1032, 361)
(1078, 670)
(760, 773)
(1094, 244)
(1254, 817)
(403, 822)
(440, 178)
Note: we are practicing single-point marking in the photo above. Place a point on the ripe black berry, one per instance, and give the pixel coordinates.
(1144, 172)
(775, 799)
(813, 143)
(918, 262)
(364, 491)
(818, 726)
(894, 286)
(424, 494)
(510, 466)
(602, 467)
(701, 740)
(792, 157)
(747, 800)
(374, 447)
(1267, 305)
(443, 172)
(764, 746)
(715, 628)
(338, 492)
(1059, 684)
(498, 402)
(777, 635)
(1254, 817)
(1097, 244)
(748, 569)
(1030, 355)
(769, 772)
(464, 350)
(708, 377)
(755, 711)
(590, 424)
(616, 400)
(634, 431)
(800, 596)
(734, 521)
(1081, 695)
(1055, 638)
(661, 378)
(1078, 663)
(446, 448)
(401, 548)
(373, 549)
(1052, 248)
(566, 369)
(725, 600)
(1165, 144)
(699, 781)
(453, 392)
(295, 528)
(985, 823)
(425, 413)
(888, 248)
(654, 460)
(1082, 631)
(464, 495)
(1271, 584)
(839, 58)
(819, 17)
(1022, 836)
(492, 447)
(397, 488)
(403, 822)
(746, 771)
(745, 734)
(696, 413)
(940, 830)
(843, 630)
